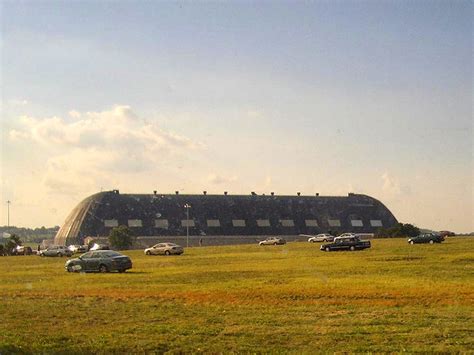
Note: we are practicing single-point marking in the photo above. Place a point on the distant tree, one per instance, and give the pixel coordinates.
(409, 230)
(399, 230)
(90, 244)
(121, 237)
(12, 243)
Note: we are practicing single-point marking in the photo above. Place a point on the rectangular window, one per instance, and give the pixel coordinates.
(110, 223)
(357, 223)
(213, 223)
(263, 223)
(376, 223)
(238, 222)
(334, 223)
(134, 222)
(187, 223)
(161, 223)
(311, 222)
(287, 223)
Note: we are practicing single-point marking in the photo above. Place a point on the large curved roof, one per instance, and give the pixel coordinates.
(165, 214)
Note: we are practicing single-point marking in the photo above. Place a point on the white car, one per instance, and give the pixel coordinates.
(164, 249)
(272, 241)
(324, 237)
(347, 235)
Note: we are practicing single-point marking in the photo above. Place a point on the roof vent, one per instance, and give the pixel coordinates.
(317, 193)
(154, 192)
(176, 192)
(204, 192)
(116, 192)
(225, 193)
(253, 193)
(298, 193)
(272, 193)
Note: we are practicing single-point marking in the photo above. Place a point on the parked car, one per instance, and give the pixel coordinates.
(22, 250)
(99, 261)
(164, 249)
(351, 242)
(99, 247)
(350, 234)
(56, 250)
(324, 237)
(272, 241)
(78, 248)
(447, 233)
(426, 238)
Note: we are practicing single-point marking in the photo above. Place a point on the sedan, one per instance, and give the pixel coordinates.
(426, 238)
(78, 248)
(325, 237)
(56, 250)
(164, 249)
(99, 261)
(272, 241)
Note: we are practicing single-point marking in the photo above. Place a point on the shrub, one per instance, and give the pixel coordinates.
(400, 230)
(121, 237)
(12, 243)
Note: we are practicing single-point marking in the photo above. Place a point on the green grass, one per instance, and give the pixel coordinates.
(393, 297)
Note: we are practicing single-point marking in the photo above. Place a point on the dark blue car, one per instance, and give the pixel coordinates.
(99, 261)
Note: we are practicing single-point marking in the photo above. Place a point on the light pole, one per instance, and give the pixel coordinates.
(187, 206)
(8, 213)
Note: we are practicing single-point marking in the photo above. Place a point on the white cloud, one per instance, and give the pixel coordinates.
(117, 128)
(219, 179)
(255, 114)
(391, 185)
(94, 148)
(18, 102)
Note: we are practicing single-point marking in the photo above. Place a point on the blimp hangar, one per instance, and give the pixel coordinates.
(222, 219)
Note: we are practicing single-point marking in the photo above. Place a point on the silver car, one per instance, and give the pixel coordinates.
(56, 250)
(324, 237)
(164, 249)
(272, 241)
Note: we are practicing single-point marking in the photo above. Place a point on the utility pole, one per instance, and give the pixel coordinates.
(8, 213)
(187, 206)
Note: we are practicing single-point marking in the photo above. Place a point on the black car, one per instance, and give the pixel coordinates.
(99, 261)
(426, 238)
(351, 242)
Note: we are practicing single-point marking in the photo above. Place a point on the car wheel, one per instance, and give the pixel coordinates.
(148, 253)
(327, 249)
(412, 242)
(431, 241)
(70, 268)
(167, 252)
(41, 254)
(353, 248)
(121, 271)
(103, 268)
(60, 255)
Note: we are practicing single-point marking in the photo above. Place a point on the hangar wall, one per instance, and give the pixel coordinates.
(222, 215)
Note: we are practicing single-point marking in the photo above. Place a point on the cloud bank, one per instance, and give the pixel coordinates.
(87, 150)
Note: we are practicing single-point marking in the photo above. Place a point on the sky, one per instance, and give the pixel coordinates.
(316, 96)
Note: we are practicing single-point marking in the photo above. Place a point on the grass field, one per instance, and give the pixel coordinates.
(393, 297)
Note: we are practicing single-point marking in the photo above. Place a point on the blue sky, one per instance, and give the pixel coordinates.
(329, 97)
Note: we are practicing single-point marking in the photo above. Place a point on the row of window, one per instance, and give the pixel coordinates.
(163, 223)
